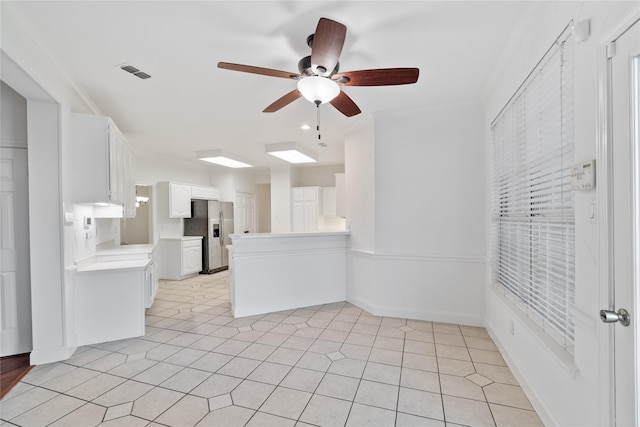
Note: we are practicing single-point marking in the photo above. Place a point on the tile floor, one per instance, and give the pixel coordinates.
(330, 365)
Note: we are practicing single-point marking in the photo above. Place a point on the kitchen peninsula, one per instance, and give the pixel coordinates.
(274, 272)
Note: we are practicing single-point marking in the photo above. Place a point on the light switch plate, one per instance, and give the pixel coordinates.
(68, 218)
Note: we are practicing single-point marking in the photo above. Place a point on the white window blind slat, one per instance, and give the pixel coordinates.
(533, 222)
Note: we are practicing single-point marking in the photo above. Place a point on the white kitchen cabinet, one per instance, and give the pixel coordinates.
(305, 209)
(329, 201)
(204, 193)
(180, 257)
(341, 196)
(102, 163)
(179, 200)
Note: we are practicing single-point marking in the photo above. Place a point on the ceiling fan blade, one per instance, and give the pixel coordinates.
(327, 46)
(258, 70)
(378, 77)
(283, 102)
(345, 105)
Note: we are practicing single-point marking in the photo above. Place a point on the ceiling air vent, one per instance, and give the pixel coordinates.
(136, 72)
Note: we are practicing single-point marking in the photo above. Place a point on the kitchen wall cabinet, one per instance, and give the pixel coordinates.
(102, 163)
(305, 209)
(180, 196)
(180, 257)
(204, 193)
(179, 200)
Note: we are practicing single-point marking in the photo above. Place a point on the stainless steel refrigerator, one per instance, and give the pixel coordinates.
(214, 221)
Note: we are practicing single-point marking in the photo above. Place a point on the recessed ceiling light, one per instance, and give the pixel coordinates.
(290, 152)
(305, 127)
(221, 158)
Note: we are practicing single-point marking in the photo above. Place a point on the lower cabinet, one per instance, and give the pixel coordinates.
(180, 257)
(109, 305)
(151, 283)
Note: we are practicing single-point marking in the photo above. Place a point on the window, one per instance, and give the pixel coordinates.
(533, 206)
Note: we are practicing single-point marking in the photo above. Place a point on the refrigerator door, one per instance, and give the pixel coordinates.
(215, 230)
(227, 229)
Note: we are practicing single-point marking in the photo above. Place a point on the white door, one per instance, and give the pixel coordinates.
(15, 284)
(625, 79)
(245, 206)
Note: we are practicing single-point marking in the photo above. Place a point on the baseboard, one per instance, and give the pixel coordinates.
(50, 355)
(428, 315)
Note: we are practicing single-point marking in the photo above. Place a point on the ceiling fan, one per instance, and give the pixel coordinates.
(319, 79)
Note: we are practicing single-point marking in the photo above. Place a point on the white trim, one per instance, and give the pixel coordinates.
(10, 143)
(542, 409)
(606, 375)
(42, 356)
(439, 258)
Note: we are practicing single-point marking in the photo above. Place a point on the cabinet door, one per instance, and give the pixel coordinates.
(191, 259)
(310, 194)
(298, 217)
(310, 216)
(297, 194)
(179, 201)
(115, 164)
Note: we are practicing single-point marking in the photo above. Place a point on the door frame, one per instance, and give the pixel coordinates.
(605, 214)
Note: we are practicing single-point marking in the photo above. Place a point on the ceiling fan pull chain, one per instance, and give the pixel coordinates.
(318, 119)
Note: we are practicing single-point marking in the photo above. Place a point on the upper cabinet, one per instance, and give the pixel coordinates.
(103, 163)
(305, 209)
(179, 200)
(204, 193)
(329, 201)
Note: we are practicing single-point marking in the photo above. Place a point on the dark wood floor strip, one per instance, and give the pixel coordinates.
(12, 370)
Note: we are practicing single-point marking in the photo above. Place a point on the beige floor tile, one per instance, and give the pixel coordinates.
(286, 402)
(420, 403)
(39, 375)
(382, 373)
(487, 357)
(508, 395)
(325, 347)
(474, 331)
(133, 368)
(207, 343)
(408, 420)
(419, 347)
(108, 362)
(162, 351)
(260, 419)
(186, 412)
(388, 357)
(70, 380)
(460, 387)
(452, 352)
(270, 373)
(461, 368)
(127, 421)
(95, 387)
(125, 392)
(349, 367)
(211, 362)
(506, 416)
(251, 394)
(360, 339)
(16, 405)
(271, 338)
(386, 343)
(155, 402)
(376, 394)
(449, 339)
(314, 361)
(326, 411)
(298, 343)
(232, 347)
(87, 415)
(333, 335)
(420, 361)
(420, 336)
(363, 328)
(158, 373)
(231, 416)
(479, 379)
(499, 374)
(390, 332)
(363, 415)
(353, 351)
(303, 379)
(467, 412)
(338, 386)
(257, 351)
(47, 412)
(118, 411)
(420, 380)
(480, 343)
(285, 356)
(239, 367)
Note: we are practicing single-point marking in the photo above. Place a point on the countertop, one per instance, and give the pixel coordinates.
(288, 235)
(127, 249)
(182, 238)
(114, 265)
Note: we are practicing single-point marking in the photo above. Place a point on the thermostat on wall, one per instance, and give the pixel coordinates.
(583, 176)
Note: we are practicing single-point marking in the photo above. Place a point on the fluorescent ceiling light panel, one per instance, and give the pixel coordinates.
(291, 153)
(218, 157)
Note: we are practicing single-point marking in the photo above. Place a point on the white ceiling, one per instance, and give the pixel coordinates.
(190, 105)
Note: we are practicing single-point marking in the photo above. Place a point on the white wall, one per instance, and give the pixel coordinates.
(13, 127)
(417, 218)
(281, 199)
(321, 176)
(565, 390)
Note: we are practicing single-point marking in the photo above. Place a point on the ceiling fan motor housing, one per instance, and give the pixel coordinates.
(304, 66)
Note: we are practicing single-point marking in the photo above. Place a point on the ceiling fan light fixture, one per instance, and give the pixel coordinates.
(220, 158)
(318, 90)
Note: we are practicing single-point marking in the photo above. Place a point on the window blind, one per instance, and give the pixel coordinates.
(533, 217)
